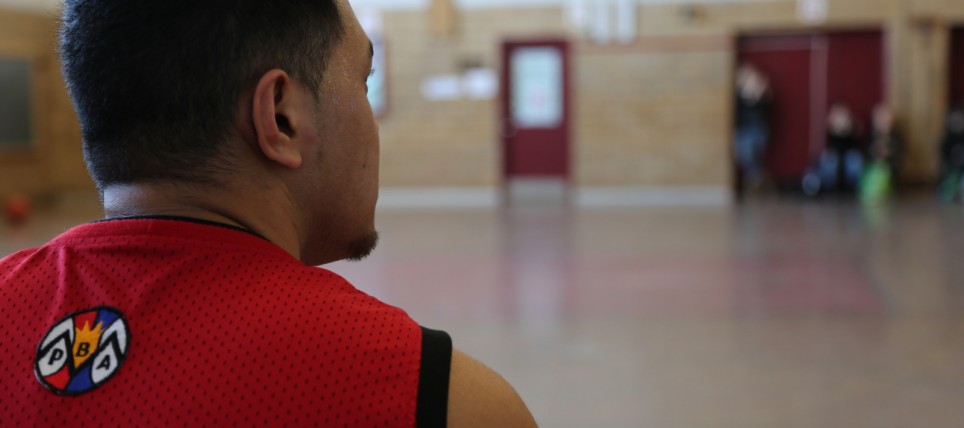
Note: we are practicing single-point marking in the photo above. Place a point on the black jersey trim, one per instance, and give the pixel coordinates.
(185, 219)
(433, 380)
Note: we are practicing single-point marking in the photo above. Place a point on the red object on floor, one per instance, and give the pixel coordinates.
(17, 209)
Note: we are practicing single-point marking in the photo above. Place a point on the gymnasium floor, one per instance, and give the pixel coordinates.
(780, 313)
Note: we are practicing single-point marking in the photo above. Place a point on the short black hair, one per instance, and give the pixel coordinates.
(156, 83)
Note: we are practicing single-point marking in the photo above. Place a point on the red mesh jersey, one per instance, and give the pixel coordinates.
(223, 329)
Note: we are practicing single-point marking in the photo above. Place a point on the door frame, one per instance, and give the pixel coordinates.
(505, 107)
(819, 69)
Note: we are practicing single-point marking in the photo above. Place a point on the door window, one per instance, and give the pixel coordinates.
(537, 89)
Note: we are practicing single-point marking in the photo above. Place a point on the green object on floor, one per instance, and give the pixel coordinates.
(876, 182)
(950, 186)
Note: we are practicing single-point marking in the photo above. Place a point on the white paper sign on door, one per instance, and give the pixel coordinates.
(537, 92)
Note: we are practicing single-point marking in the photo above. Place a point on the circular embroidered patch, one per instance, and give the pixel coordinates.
(82, 351)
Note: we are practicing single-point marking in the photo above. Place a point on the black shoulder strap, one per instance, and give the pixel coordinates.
(433, 379)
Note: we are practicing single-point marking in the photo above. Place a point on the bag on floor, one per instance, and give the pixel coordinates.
(875, 184)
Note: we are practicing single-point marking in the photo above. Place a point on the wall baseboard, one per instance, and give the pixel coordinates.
(492, 197)
(651, 196)
(439, 197)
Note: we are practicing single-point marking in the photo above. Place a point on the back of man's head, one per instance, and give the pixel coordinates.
(157, 84)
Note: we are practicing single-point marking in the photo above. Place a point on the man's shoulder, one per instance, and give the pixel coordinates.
(342, 293)
(319, 291)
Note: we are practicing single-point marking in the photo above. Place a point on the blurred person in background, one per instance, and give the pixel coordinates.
(884, 143)
(753, 106)
(883, 152)
(952, 156)
(840, 165)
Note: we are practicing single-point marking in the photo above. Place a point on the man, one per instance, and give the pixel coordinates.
(842, 161)
(234, 148)
(753, 105)
(952, 156)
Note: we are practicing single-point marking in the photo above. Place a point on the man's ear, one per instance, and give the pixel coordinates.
(272, 112)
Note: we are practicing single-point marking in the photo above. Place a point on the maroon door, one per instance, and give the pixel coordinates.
(535, 109)
(786, 60)
(957, 68)
(808, 73)
(856, 72)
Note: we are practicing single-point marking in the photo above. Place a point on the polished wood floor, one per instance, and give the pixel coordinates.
(779, 313)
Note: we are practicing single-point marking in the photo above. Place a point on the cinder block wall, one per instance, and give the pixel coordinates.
(634, 107)
(448, 143)
(55, 163)
(655, 113)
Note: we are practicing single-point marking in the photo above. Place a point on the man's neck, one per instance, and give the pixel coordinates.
(269, 218)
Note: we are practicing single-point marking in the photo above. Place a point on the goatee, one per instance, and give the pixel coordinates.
(363, 247)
